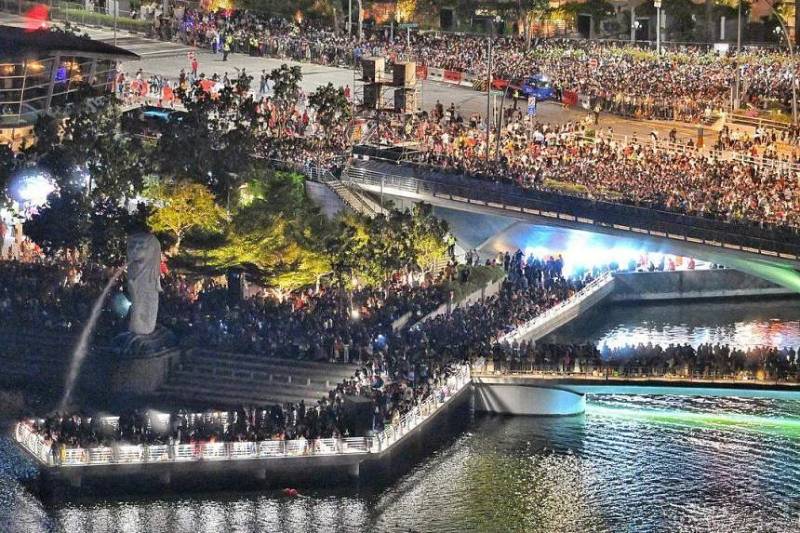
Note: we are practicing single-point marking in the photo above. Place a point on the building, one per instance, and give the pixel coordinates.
(44, 69)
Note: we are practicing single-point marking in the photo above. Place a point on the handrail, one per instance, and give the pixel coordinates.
(121, 453)
(594, 286)
(771, 241)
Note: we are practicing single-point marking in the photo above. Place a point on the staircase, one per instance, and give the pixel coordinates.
(226, 379)
(352, 199)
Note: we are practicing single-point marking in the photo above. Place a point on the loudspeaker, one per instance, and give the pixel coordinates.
(372, 68)
(404, 74)
(405, 101)
(372, 94)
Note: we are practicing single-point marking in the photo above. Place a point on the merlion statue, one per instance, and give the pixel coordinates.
(144, 281)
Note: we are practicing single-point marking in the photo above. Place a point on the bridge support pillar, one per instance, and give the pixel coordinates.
(354, 470)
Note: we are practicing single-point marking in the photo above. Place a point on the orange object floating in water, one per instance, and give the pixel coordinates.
(291, 492)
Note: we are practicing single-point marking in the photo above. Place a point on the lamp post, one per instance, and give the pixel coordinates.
(657, 3)
(492, 21)
(791, 60)
(349, 18)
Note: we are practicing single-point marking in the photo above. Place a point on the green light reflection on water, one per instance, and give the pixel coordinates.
(782, 426)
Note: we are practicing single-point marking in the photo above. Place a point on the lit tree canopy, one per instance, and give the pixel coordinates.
(182, 207)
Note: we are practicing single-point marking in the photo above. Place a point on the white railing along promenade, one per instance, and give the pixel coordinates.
(121, 453)
(594, 286)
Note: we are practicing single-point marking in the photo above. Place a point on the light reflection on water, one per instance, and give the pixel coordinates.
(745, 325)
(633, 463)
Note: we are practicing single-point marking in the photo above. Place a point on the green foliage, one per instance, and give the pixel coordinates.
(332, 107)
(181, 207)
(598, 9)
(276, 234)
(372, 249)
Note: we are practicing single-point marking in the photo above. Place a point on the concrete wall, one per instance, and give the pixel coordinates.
(569, 313)
(691, 284)
(507, 395)
(478, 295)
(142, 375)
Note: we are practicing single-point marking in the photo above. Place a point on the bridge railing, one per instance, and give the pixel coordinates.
(594, 371)
(591, 288)
(762, 239)
(121, 453)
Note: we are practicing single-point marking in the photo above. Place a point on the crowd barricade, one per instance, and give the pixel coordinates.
(436, 74)
(73, 456)
(270, 448)
(184, 452)
(453, 76)
(129, 453)
(157, 453)
(243, 449)
(296, 447)
(136, 454)
(214, 450)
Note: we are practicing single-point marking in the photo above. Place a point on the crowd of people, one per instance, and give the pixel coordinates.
(710, 361)
(565, 158)
(399, 367)
(685, 83)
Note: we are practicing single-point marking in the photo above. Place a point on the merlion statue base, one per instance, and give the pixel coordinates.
(131, 344)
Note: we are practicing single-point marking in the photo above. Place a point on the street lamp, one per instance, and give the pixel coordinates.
(791, 59)
(657, 3)
(492, 21)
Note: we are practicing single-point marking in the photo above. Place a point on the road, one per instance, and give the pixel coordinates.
(166, 59)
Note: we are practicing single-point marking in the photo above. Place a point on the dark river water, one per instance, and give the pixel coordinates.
(630, 464)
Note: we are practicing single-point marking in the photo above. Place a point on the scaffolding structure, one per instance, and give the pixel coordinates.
(380, 97)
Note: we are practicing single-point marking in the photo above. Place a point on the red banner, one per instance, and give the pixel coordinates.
(570, 98)
(453, 75)
(422, 72)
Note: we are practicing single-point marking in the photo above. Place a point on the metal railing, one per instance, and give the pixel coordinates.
(593, 372)
(120, 453)
(565, 305)
(761, 239)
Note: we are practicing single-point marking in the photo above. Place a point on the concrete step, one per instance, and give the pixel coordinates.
(239, 382)
(298, 366)
(250, 378)
(218, 391)
(334, 373)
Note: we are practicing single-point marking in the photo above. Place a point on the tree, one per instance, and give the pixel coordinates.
(182, 207)
(332, 107)
(285, 90)
(276, 234)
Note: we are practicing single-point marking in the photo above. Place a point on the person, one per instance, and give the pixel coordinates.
(194, 63)
(226, 47)
(597, 114)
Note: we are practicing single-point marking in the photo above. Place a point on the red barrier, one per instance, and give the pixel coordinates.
(570, 98)
(422, 72)
(453, 75)
(499, 84)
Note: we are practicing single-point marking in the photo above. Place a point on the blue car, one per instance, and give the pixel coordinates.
(538, 86)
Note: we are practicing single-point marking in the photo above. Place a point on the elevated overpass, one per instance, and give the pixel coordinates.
(771, 253)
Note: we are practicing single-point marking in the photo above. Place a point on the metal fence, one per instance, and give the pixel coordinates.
(590, 289)
(120, 453)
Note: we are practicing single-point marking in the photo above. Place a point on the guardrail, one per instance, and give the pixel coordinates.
(121, 453)
(569, 303)
(764, 240)
(627, 375)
